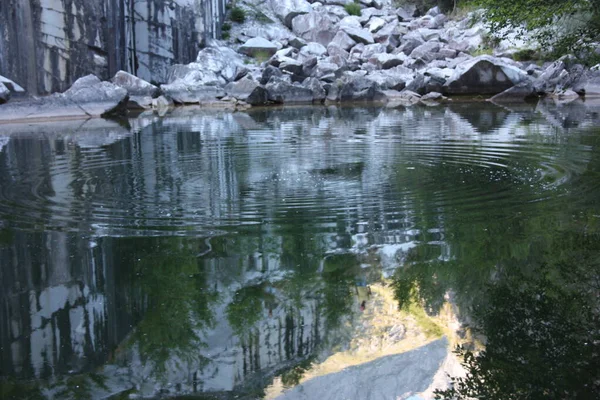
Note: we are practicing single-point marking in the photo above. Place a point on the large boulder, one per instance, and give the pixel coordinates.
(360, 35)
(395, 78)
(11, 85)
(343, 41)
(223, 62)
(269, 72)
(588, 84)
(257, 46)
(314, 27)
(140, 92)
(280, 91)
(287, 10)
(135, 86)
(313, 49)
(484, 75)
(88, 97)
(359, 89)
(247, 90)
(427, 51)
(184, 93)
(4, 94)
(95, 97)
(317, 89)
(387, 61)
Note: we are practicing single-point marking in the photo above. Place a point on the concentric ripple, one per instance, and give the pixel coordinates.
(205, 174)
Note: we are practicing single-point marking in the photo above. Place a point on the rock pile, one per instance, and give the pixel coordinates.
(315, 52)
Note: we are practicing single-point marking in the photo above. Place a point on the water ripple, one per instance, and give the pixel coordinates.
(178, 177)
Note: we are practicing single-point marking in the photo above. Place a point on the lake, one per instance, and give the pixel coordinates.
(216, 253)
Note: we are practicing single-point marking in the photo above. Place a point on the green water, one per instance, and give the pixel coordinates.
(206, 252)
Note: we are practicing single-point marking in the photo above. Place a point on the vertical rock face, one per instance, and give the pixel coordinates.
(45, 45)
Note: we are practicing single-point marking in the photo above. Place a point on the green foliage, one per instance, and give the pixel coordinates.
(525, 55)
(13, 390)
(542, 343)
(225, 36)
(178, 302)
(246, 309)
(261, 56)
(560, 26)
(226, 27)
(353, 9)
(238, 15)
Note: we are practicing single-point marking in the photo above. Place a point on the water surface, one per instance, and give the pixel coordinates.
(207, 252)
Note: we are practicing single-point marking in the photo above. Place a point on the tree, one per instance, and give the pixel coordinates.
(542, 343)
(560, 26)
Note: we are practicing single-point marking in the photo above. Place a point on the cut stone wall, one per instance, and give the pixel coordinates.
(45, 45)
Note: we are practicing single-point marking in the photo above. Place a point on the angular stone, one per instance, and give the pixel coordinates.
(375, 24)
(220, 61)
(403, 98)
(317, 89)
(418, 84)
(371, 50)
(367, 13)
(437, 22)
(403, 15)
(257, 46)
(284, 92)
(588, 84)
(291, 66)
(387, 61)
(335, 51)
(517, 93)
(247, 90)
(313, 49)
(433, 96)
(297, 43)
(427, 51)
(314, 27)
(95, 97)
(162, 102)
(287, 10)
(389, 79)
(134, 85)
(325, 68)
(351, 21)
(360, 89)
(360, 35)
(183, 93)
(269, 72)
(342, 40)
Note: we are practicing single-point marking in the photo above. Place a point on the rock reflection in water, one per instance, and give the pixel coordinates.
(206, 252)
